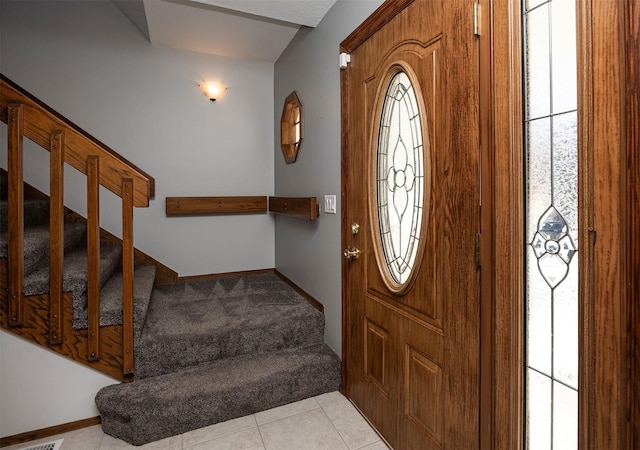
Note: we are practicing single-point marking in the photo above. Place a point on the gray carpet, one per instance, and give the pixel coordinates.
(193, 323)
(154, 408)
(211, 351)
(111, 300)
(36, 244)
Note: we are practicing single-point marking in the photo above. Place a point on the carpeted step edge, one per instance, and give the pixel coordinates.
(111, 299)
(154, 408)
(75, 277)
(36, 244)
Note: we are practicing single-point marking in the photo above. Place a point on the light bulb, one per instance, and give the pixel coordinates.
(211, 90)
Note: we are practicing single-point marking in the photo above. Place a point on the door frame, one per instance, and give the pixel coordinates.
(632, 40)
(502, 331)
(609, 160)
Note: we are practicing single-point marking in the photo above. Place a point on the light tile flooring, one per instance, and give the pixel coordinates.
(328, 421)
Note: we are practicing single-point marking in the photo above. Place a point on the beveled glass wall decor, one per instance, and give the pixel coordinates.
(400, 179)
(551, 224)
(291, 127)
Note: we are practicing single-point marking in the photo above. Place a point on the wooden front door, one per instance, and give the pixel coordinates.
(411, 211)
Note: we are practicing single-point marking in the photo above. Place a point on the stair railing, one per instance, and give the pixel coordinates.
(28, 117)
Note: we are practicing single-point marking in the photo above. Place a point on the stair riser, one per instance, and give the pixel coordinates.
(160, 359)
(148, 417)
(36, 212)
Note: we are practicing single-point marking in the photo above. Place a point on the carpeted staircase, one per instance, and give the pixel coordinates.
(205, 351)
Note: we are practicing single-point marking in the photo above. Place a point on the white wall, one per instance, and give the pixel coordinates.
(68, 387)
(310, 253)
(87, 61)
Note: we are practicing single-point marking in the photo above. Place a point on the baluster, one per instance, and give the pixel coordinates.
(16, 214)
(93, 257)
(56, 236)
(127, 275)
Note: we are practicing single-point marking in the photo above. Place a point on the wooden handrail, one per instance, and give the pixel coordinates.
(28, 117)
(40, 121)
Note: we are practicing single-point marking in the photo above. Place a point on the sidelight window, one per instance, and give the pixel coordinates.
(551, 370)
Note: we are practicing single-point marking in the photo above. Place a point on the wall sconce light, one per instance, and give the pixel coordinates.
(212, 90)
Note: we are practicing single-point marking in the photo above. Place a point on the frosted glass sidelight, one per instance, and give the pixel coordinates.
(565, 417)
(551, 238)
(400, 179)
(537, 69)
(565, 328)
(538, 411)
(539, 337)
(539, 171)
(565, 170)
(563, 52)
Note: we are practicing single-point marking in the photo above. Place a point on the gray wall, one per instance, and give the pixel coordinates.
(309, 253)
(86, 60)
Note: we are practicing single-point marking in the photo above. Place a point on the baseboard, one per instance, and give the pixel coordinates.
(315, 303)
(49, 431)
(214, 276)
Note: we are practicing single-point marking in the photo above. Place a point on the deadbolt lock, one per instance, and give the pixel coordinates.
(355, 228)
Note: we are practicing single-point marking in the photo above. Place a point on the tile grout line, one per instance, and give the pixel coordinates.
(334, 427)
(264, 444)
(291, 415)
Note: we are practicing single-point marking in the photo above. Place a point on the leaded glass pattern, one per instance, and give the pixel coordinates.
(552, 221)
(400, 177)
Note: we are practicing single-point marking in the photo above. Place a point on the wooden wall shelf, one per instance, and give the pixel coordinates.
(300, 207)
(183, 206)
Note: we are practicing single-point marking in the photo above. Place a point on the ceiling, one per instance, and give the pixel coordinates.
(248, 29)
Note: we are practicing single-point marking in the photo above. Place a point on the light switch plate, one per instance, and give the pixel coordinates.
(330, 204)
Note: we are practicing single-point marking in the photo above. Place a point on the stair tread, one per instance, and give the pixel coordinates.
(75, 276)
(193, 323)
(36, 244)
(111, 299)
(154, 408)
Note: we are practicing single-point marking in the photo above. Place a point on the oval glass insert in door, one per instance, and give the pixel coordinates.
(400, 182)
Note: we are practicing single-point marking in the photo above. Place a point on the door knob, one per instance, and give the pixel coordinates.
(352, 253)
